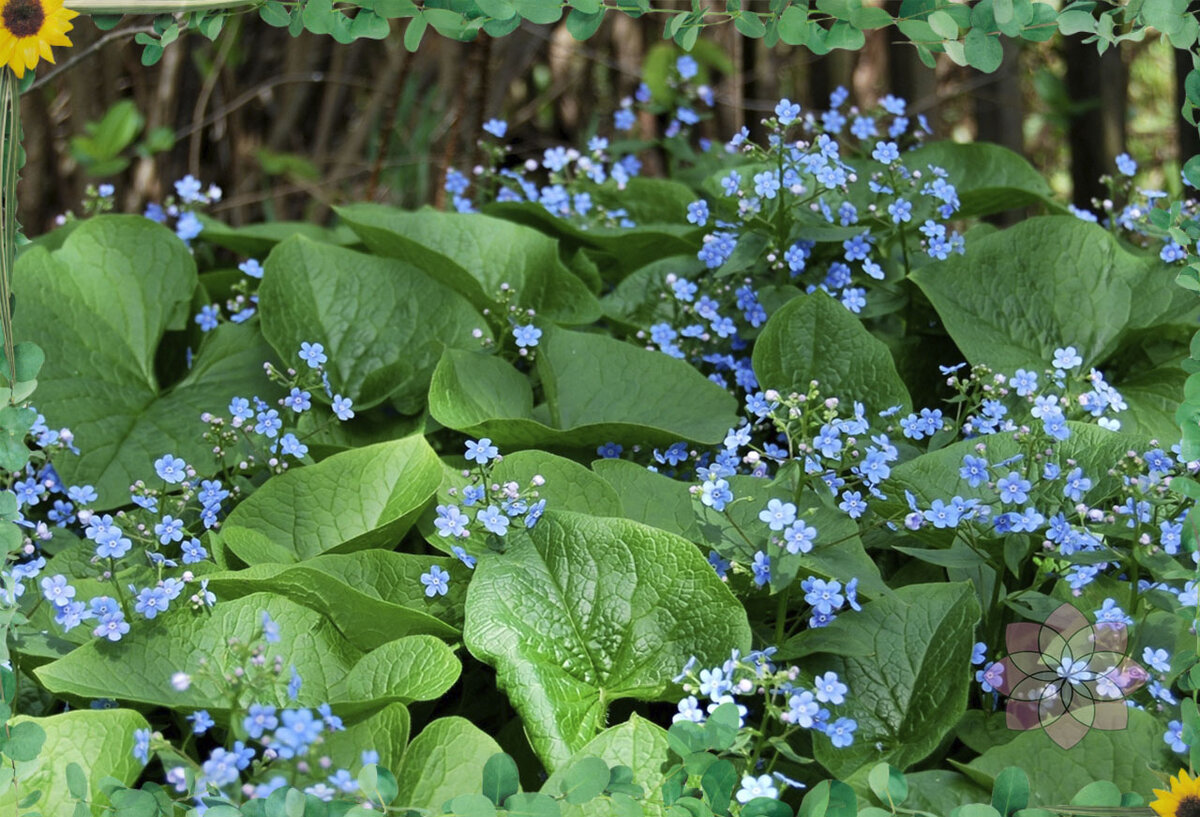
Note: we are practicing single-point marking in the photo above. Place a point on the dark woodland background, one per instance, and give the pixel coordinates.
(290, 126)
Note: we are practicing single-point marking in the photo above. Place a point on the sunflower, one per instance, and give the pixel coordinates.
(27, 30)
(1183, 800)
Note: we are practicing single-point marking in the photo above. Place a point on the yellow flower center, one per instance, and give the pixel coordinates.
(24, 18)
(1189, 806)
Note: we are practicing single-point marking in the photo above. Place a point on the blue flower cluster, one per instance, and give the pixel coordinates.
(190, 196)
(286, 737)
(497, 506)
(779, 695)
(169, 513)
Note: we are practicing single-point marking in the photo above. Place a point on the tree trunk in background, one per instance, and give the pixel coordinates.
(914, 81)
(1096, 135)
(1000, 113)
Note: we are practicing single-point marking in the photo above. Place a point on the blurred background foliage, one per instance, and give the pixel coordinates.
(289, 126)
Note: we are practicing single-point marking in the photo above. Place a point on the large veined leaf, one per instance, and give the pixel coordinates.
(597, 389)
(639, 744)
(650, 498)
(582, 611)
(816, 338)
(383, 322)
(413, 668)
(908, 677)
(1153, 398)
(1077, 286)
(475, 255)
(139, 667)
(569, 485)
(373, 596)
(385, 732)
(444, 761)
(100, 741)
(1126, 757)
(361, 498)
(99, 307)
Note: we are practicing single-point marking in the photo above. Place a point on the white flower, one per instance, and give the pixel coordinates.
(762, 786)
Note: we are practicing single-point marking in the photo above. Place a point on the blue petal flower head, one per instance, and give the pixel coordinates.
(170, 469)
(188, 189)
(721, 566)
(252, 268)
(436, 581)
(493, 520)
(461, 554)
(687, 66)
(342, 407)
(716, 494)
(526, 335)
(761, 568)
(451, 521)
(313, 354)
(841, 732)
(1067, 358)
(610, 451)
(481, 451)
(141, 745)
(886, 152)
(1126, 165)
(208, 317)
(787, 111)
(188, 227)
(496, 127)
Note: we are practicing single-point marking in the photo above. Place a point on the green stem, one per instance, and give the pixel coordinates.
(10, 133)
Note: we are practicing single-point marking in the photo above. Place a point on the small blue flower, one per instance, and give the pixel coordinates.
(208, 317)
(201, 721)
(1013, 488)
(268, 423)
(482, 451)
(841, 732)
(342, 407)
(493, 520)
(1067, 358)
(461, 554)
(885, 152)
(787, 111)
(437, 581)
(141, 745)
(610, 451)
(496, 127)
(526, 335)
(260, 718)
(313, 354)
(169, 530)
(534, 513)
(298, 401)
(252, 268)
(188, 227)
(170, 469)
(761, 568)
(979, 653)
